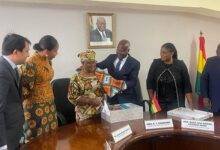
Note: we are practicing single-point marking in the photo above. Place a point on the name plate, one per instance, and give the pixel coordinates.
(198, 125)
(121, 133)
(158, 124)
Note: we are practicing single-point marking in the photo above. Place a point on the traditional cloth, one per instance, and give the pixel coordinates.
(110, 85)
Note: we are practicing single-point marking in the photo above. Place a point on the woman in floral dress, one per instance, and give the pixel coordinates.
(85, 91)
(36, 75)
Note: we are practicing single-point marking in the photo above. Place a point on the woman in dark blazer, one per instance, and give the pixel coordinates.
(168, 78)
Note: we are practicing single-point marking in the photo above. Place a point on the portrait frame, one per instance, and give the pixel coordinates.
(101, 34)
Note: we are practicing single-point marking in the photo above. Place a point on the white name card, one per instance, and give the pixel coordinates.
(198, 125)
(121, 133)
(158, 124)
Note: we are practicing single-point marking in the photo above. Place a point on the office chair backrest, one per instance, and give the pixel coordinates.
(63, 106)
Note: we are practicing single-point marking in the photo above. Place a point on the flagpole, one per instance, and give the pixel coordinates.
(200, 66)
(199, 96)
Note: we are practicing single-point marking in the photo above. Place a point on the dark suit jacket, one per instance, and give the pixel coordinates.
(210, 82)
(95, 36)
(128, 73)
(11, 111)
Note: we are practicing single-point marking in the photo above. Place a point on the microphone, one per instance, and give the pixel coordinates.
(158, 80)
(175, 84)
(177, 94)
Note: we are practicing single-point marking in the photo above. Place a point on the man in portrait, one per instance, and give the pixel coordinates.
(101, 33)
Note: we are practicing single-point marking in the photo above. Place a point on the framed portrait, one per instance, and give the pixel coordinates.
(101, 30)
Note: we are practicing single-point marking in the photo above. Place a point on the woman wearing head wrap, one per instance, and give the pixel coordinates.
(85, 90)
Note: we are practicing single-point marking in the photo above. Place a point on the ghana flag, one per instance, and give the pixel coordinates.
(154, 105)
(200, 66)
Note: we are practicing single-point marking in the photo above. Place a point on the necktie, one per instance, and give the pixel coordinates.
(117, 68)
(103, 36)
(16, 74)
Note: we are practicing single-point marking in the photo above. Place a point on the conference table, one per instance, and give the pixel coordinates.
(93, 134)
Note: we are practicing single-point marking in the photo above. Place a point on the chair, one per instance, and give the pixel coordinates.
(140, 100)
(65, 110)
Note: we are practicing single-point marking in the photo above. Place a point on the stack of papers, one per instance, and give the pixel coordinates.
(186, 113)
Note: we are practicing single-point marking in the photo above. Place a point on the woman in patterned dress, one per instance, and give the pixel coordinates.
(85, 91)
(36, 75)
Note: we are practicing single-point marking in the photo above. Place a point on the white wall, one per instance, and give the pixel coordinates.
(147, 31)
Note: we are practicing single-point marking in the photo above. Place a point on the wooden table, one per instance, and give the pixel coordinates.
(92, 135)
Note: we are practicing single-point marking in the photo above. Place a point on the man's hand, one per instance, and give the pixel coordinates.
(124, 87)
(206, 102)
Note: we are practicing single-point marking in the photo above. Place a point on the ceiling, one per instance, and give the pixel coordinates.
(209, 8)
(208, 4)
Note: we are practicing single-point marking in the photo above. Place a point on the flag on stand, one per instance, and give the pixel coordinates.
(154, 105)
(200, 66)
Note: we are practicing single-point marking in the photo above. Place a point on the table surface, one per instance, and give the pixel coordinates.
(93, 134)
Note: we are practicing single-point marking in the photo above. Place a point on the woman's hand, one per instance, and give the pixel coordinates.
(85, 100)
(191, 105)
(207, 103)
(190, 100)
(97, 101)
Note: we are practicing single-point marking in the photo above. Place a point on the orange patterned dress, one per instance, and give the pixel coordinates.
(38, 104)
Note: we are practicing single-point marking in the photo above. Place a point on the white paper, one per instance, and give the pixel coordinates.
(133, 112)
(198, 125)
(4, 147)
(158, 124)
(186, 113)
(121, 133)
(106, 109)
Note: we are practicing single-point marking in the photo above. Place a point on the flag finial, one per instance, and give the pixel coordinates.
(201, 33)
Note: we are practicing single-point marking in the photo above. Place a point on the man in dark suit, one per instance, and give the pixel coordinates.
(122, 66)
(101, 34)
(15, 50)
(210, 83)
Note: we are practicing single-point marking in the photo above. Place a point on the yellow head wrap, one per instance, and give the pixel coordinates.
(88, 55)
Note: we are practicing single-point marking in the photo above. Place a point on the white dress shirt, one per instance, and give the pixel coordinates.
(101, 33)
(122, 63)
